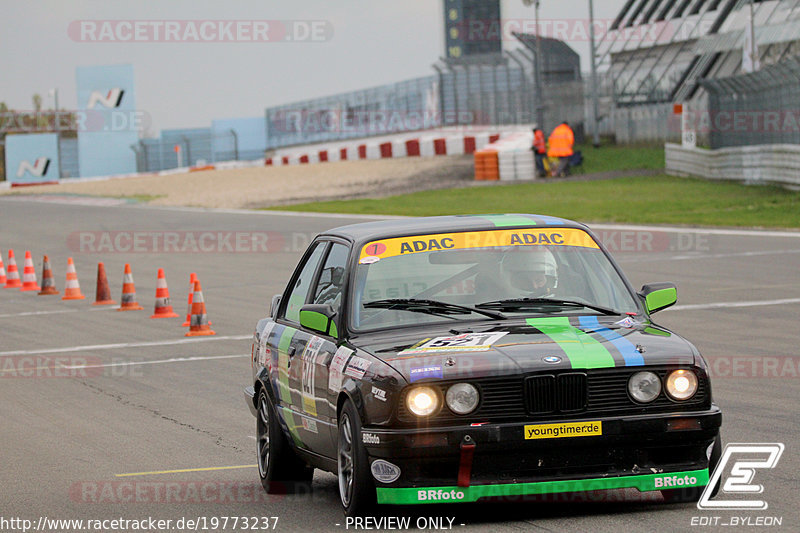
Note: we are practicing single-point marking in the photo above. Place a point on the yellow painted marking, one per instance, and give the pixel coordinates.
(185, 470)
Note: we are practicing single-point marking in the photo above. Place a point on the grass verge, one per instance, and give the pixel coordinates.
(659, 199)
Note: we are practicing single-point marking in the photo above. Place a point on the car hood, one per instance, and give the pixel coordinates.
(532, 345)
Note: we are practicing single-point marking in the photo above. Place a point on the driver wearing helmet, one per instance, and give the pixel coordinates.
(532, 270)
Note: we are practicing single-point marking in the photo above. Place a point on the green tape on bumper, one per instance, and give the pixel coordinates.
(583, 350)
(644, 483)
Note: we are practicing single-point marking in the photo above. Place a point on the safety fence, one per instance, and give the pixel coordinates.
(758, 108)
(191, 147)
(467, 96)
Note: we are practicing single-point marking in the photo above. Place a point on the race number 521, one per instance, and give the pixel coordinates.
(746, 459)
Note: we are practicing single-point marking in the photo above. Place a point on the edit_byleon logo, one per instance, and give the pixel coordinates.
(37, 169)
(745, 459)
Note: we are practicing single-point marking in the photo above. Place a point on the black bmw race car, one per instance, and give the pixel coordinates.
(450, 359)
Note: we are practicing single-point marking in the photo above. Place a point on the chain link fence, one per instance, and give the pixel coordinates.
(467, 94)
(191, 147)
(754, 109)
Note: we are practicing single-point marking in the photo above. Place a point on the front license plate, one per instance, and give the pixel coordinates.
(567, 429)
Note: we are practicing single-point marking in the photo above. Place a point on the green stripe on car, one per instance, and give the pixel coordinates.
(451, 494)
(583, 350)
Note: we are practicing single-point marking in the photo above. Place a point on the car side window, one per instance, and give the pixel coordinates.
(331, 279)
(297, 297)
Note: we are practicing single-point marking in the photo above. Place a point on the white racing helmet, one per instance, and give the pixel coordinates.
(531, 269)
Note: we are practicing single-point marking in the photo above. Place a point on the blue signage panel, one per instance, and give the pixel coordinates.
(108, 122)
(32, 158)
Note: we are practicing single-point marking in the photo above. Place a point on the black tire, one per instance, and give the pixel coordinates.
(356, 488)
(280, 470)
(692, 494)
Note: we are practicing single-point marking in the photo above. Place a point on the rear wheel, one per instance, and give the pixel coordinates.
(356, 489)
(692, 494)
(278, 467)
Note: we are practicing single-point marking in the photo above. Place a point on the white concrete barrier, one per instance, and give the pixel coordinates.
(767, 163)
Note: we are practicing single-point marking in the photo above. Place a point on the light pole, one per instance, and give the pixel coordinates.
(595, 126)
(54, 94)
(538, 72)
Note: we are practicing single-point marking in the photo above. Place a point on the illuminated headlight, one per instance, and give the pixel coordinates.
(644, 387)
(422, 401)
(462, 398)
(681, 384)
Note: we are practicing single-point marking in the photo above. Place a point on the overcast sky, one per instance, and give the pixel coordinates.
(187, 84)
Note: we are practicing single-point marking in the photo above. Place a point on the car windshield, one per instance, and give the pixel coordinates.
(460, 276)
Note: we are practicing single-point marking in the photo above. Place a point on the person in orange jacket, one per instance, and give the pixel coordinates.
(561, 142)
(539, 151)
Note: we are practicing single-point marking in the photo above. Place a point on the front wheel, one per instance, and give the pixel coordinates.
(692, 494)
(278, 467)
(356, 489)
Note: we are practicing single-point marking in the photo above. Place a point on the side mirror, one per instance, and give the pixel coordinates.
(319, 317)
(273, 307)
(658, 296)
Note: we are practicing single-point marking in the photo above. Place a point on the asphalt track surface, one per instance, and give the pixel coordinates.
(150, 404)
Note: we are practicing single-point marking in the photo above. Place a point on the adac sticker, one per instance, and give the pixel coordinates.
(467, 342)
(478, 239)
(357, 367)
(423, 372)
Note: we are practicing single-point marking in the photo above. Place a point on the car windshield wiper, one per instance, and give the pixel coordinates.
(522, 303)
(431, 307)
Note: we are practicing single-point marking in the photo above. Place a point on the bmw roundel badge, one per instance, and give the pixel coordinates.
(552, 359)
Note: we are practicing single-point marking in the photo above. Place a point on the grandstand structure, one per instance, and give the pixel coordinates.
(658, 50)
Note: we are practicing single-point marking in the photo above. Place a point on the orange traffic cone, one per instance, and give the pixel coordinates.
(48, 283)
(103, 295)
(199, 325)
(163, 308)
(128, 300)
(29, 275)
(188, 321)
(2, 271)
(12, 279)
(72, 289)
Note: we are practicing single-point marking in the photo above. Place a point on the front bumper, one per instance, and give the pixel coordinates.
(631, 452)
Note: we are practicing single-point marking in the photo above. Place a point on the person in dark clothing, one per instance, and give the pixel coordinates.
(539, 151)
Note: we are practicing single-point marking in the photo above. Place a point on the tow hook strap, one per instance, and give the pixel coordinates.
(465, 464)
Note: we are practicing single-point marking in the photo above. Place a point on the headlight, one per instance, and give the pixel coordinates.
(462, 398)
(681, 384)
(644, 387)
(422, 401)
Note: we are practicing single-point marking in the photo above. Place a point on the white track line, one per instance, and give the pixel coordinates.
(702, 231)
(158, 362)
(32, 313)
(705, 256)
(725, 305)
(97, 347)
